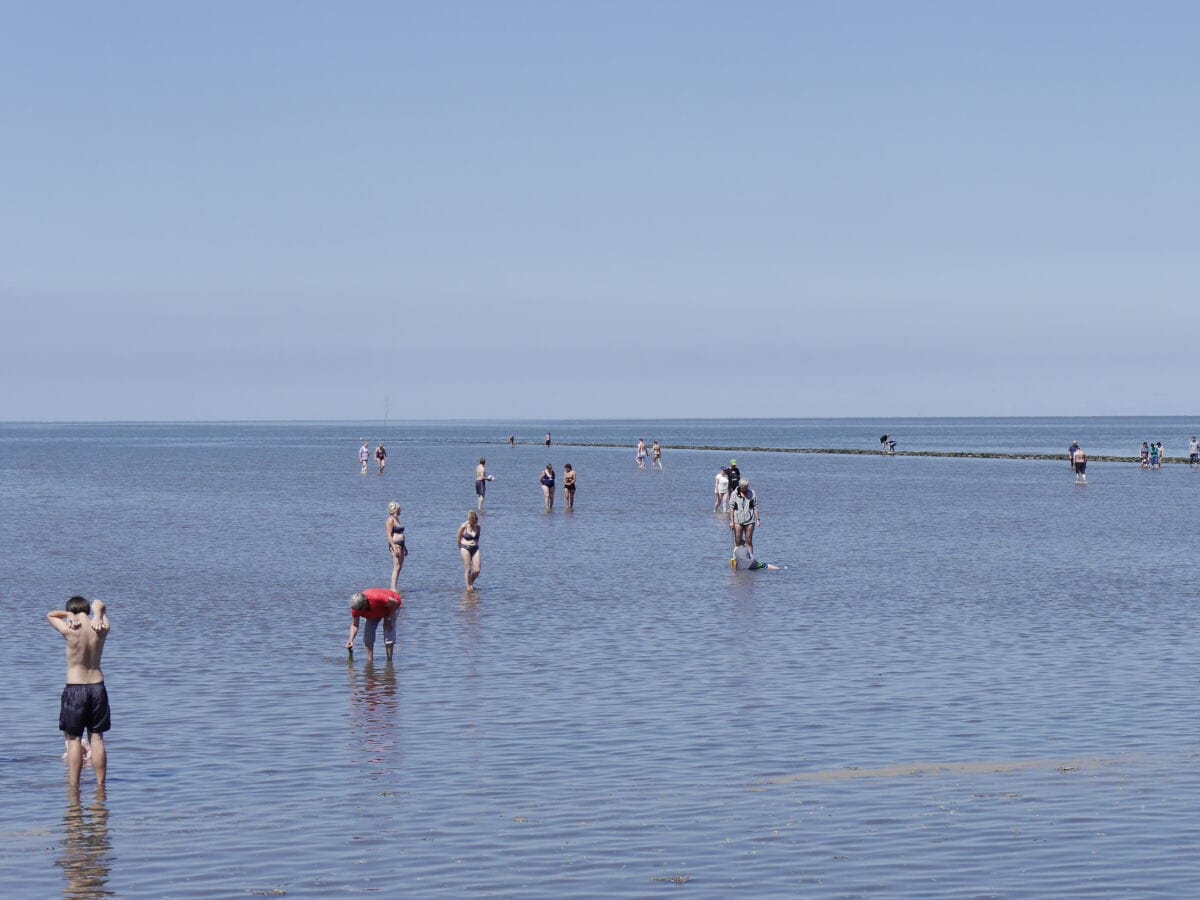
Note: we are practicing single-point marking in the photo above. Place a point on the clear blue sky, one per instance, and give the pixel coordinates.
(494, 209)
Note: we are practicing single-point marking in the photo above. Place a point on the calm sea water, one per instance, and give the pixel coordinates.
(974, 679)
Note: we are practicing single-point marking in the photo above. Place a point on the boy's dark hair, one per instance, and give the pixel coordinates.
(78, 604)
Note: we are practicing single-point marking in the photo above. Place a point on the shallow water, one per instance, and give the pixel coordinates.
(975, 678)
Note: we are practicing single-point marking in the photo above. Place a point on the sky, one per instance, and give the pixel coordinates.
(301, 210)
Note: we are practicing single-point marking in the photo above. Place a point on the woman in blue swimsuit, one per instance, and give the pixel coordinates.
(468, 548)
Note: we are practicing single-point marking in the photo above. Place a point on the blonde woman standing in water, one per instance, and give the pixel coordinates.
(467, 540)
(395, 539)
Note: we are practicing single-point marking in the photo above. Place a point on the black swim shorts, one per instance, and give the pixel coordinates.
(84, 706)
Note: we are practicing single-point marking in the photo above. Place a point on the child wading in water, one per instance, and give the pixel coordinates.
(84, 700)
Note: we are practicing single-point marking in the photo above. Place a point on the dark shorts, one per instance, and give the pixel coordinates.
(84, 707)
(1080, 468)
(1193, 457)
(480, 486)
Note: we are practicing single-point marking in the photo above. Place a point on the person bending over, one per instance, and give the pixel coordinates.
(84, 705)
(371, 606)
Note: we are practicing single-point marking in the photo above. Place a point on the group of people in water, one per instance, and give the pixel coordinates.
(1151, 455)
(364, 458)
(467, 537)
(655, 454)
(733, 495)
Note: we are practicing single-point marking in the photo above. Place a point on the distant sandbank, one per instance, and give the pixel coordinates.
(947, 454)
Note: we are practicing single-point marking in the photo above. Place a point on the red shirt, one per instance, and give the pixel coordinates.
(378, 604)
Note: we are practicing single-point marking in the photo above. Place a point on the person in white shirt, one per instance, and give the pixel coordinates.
(721, 492)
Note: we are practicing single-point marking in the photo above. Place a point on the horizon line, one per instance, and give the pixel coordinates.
(545, 422)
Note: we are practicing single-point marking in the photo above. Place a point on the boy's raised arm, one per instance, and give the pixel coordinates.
(99, 620)
(58, 620)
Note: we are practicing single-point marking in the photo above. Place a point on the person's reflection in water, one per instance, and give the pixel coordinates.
(374, 708)
(468, 614)
(86, 850)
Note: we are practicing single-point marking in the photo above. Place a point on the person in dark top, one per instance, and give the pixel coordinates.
(733, 475)
(547, 481)
(569, 486)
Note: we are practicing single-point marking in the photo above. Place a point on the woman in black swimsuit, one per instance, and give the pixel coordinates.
(468, 547)
(547, 481)
(395, 539)
(569, 486)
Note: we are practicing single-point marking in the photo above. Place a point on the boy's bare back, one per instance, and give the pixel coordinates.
(85, 636)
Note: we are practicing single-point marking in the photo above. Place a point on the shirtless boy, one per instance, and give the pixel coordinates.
(84, 699)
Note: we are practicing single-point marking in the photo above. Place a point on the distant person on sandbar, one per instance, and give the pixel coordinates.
(381, 458)
(371, 606)
(1154, 456)
(1144, 453)
(481, 480)
(1071, 453)
(467, 540)
(656, 455)
(547, 481)
(744, 515)
(568, 486)
(1193, 451)
(395, 540)
(887, 445)
(1162, 454)
(84, 706)
(744, 559)
(364, 454)
(1080, 460)
(640, 454)
(547, 439)
(721, 492)
(512, 440)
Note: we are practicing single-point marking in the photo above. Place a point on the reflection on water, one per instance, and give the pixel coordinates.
(374, 708)
(468, 615)
(86, 849)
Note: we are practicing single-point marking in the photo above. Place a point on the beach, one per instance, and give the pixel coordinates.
(975, 678)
